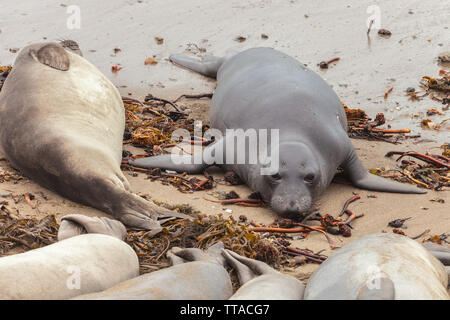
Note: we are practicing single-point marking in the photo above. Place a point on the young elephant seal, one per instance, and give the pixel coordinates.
(195, 275)
(264, 89)
(380, 266)
(79, 265)
(62, 124)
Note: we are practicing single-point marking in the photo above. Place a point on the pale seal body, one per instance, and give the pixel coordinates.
(391, 266)
(198, 280)
(95, 262)
(262, 88)
(62, 124)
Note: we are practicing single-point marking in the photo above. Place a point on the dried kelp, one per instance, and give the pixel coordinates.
(202, 233)
(181, 181)
(360, 126)
(430, 171)
(22, 234)
(6, 175)
(4, 72)
(148, 123)
(328, 224)
(437, 88)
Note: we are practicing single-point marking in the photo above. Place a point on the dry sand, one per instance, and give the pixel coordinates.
(303, 29)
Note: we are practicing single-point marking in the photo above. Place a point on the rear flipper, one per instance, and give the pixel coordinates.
(246, 269)
(76, 224)
(132, 210)
(208, 66)
(212, 254)
(361, 178)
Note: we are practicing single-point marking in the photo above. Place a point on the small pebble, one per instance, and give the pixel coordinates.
(4, 194)
(384, 32)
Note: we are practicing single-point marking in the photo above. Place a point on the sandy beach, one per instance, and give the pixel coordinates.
(306, 30)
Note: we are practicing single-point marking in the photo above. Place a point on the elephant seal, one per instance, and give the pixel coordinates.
(380, 266)
(76, 224)
(62, 124)
(264, 89)
(260, 282)
(195, 275)
(79, 265)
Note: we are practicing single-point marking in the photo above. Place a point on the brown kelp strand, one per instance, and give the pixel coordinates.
(429, 171)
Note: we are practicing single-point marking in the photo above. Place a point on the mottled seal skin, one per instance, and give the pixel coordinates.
(262, 88)
(103, 261)
(62, 124)
(260, 282)
(195, 275)
(380, 266)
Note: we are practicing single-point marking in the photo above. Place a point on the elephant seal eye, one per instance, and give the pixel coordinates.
(276, 176)
(309, 178)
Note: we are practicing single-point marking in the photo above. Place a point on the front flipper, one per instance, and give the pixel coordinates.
(183, 163)
(382, 289)
(172, 162)
(361, 178)
(208, 66)
(52, 55)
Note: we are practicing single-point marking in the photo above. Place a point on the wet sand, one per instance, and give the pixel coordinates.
(309, 32)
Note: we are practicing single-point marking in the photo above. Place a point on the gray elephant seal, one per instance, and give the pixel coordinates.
(79, 265)
(261, 282)
(262, 88)
(62, 124)
(195, 275)
(380, 266)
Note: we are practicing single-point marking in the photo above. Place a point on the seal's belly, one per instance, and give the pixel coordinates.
(264, 88)
(79, 106)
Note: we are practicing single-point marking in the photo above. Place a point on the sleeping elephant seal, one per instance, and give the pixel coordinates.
(195, 275)
(380, 266)
(263, 89)
(260, 282)
(79, 265)
(62, 124)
